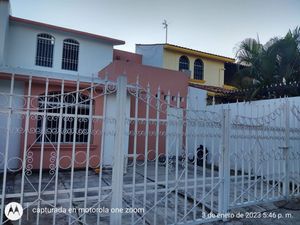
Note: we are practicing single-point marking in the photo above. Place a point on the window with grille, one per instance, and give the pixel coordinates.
(52, 115)
(198, 69)
(44, 50)
(70, 55)
(184, 63)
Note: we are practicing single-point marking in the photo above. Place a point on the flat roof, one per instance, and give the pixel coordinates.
(193, 52)
(81, 33)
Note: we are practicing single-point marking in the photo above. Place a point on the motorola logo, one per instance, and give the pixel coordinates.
(13, 211)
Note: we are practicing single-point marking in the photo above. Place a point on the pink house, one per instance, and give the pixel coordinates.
(39, 62)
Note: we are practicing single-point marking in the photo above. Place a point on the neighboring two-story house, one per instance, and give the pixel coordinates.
(205, 70)
(201, 67)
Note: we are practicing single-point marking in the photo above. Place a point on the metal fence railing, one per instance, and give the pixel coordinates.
(117, 153)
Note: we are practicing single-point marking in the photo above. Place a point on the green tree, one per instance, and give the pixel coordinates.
(274, 62)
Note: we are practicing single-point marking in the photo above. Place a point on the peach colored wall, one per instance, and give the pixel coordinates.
(127, 56)
(38, 88)
(175, 81)
(168, 80)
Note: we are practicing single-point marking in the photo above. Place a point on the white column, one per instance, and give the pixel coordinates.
(224, 168)
(286, 148)
(4, 26)
(118, 156)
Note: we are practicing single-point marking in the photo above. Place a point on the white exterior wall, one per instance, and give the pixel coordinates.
(152, 54)
(263, 113)
(196, 99)
(174, 130)
(269, 114)
(14, 147)
(257, 109)
(110, 129)
(94, 55)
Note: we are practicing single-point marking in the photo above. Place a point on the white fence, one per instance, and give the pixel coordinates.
(264, 148)
(169, 165)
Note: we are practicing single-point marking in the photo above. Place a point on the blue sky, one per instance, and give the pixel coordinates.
(215, 26)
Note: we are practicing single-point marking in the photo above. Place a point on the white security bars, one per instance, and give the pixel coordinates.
(44, 50)
(116, 153)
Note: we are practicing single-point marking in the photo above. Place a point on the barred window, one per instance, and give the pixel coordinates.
(184, 63)
(70, 55)
(44, 50)
(52, 112)
(198, 69)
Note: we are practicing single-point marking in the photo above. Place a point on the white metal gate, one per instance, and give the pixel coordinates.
(267, 168)
(180, 167)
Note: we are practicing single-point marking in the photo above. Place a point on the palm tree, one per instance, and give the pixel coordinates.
(275, 62)
(288, 54)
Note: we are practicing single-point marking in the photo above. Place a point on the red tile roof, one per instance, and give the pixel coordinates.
(214, 89)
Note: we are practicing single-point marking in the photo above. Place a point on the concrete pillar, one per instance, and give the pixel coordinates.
(4, 25)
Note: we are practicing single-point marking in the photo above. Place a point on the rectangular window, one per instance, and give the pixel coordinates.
(51, 129)
(70, 55)
(44, 50)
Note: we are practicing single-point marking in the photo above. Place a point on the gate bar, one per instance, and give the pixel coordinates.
(286, 148)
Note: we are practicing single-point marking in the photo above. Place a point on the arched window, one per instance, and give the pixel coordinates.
(52, 115)
(70, 55)
(44, 50)
(184, 63)
(198, 69)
